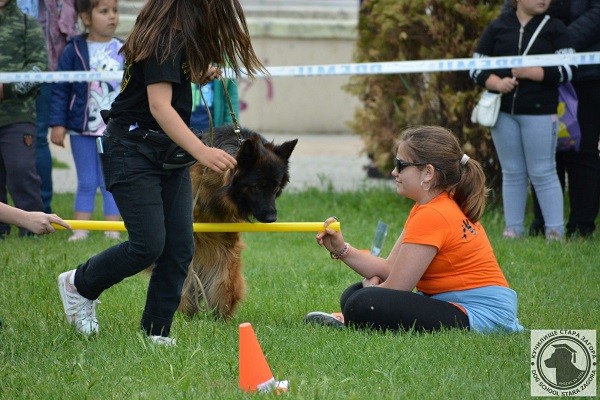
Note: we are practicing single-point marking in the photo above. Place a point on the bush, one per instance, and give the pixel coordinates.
(400, 30)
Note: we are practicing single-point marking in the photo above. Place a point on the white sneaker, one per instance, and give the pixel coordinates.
(163, 340)
(78, 235)
(323, 318)
(113, 235)
(79, 310)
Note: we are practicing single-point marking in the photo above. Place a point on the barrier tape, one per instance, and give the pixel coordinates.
(391, 67)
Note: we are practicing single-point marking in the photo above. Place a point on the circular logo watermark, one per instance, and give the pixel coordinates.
(563, 362)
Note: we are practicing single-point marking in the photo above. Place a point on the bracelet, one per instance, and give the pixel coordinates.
(342, 253)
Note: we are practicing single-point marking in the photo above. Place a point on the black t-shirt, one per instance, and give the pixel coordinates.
(131, 105)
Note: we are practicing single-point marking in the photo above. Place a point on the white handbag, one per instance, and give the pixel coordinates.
(487, 109)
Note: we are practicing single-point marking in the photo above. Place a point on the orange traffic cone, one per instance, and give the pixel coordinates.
(255, 373)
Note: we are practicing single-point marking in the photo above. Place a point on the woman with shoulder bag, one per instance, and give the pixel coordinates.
(525, 133)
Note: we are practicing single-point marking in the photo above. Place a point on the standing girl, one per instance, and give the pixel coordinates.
(173, 43)
(75, 106)
(525, 132)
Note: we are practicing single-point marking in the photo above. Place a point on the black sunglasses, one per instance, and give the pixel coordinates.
(401, 164)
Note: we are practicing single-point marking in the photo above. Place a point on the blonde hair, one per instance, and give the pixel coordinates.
(439, 147)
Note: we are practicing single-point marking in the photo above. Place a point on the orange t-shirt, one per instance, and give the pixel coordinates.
(465, 258)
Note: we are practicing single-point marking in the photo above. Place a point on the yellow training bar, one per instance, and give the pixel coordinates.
(212, 227)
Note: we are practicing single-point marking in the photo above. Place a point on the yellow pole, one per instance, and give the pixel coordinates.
(212, 227)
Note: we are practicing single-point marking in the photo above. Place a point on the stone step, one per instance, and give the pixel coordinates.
(320, 19)
(315, 9)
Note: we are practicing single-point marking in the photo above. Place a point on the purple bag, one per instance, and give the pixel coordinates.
(569, 132)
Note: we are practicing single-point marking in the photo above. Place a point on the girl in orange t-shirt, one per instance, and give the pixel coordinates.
(443, 251)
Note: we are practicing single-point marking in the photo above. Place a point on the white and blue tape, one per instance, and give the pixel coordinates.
(392, 67)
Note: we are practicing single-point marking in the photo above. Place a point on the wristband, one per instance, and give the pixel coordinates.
(342, 253)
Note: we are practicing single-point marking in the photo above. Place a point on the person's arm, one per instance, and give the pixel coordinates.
(159, 99)
(585, 30)
(401, 270)
(35, 60)
(554, 75)
(489, 78)
(33, 221)
(409, 265)
(60, 97)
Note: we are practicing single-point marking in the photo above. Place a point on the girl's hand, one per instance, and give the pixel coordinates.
(506, 85)
(211, 74)
(374, 281)
(41, 223)
(57, 135)
(531, 73)
(332, 240)
(217, 159)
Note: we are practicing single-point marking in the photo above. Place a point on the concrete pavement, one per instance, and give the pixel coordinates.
(321, 161)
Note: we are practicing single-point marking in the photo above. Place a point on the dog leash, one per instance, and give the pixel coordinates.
(236, 126)
(237, 130)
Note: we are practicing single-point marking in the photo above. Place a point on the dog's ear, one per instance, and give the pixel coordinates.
(285, 149)
(248, 153)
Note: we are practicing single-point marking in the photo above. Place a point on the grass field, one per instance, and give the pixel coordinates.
(288, 275)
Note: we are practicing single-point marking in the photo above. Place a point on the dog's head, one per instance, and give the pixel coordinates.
(261, 174)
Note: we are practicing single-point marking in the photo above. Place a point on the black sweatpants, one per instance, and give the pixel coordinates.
(389, 309)
(18, 173)
(582, 168)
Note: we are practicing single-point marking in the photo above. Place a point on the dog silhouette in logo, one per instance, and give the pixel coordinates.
(562, 359)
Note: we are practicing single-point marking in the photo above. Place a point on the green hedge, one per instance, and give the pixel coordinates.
(399, 30)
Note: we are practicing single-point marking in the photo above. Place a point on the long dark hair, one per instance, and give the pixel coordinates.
(439, 147)
(209, 31)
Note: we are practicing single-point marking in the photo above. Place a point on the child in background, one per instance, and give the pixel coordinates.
(214, 95)
(75, 107)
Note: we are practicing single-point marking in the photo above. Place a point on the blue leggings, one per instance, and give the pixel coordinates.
(89, 176)
(526, 146)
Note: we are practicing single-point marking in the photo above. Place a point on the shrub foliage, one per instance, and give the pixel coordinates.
(401, 30)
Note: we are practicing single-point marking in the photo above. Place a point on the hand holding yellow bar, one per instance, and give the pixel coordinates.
(212, 227)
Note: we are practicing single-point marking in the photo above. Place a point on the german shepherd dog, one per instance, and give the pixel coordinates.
(248, 192)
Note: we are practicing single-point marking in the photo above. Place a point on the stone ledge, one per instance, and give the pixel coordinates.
(300, 28)
(297, 28)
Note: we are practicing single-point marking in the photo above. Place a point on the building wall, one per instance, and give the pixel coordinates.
(295, 104)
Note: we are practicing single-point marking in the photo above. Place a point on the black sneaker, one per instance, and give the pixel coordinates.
(322, 318)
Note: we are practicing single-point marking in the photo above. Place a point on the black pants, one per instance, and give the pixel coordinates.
(388, 309)
(156, 206)
(18, 173)
(581, 171)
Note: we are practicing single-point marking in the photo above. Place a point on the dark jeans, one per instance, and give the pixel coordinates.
(582, 168)
(388, 309)
(43, 158)
(156, 206)
(18, 175)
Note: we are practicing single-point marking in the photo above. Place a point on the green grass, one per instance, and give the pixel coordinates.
(56, 163)
(287, 276)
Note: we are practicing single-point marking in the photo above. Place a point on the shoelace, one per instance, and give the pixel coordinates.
(88, 315)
